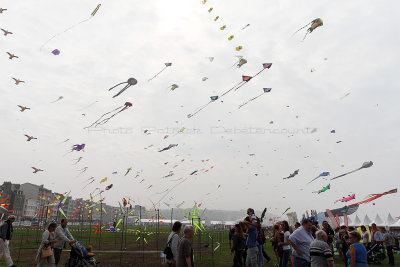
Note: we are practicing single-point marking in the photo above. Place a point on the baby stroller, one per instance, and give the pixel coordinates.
(77, 257)
(376, 253)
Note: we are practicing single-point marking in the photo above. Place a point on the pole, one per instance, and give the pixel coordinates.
(172, 211)
(200, 239)
(158, 227)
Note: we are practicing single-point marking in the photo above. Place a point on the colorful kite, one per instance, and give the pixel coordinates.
(2, 9)
(314, 24)
(173, 87)
(324, 174)
(323, 189)
(78, 147)
(292, 174)
(73, 26)
(242, 61)
(364, 166)
(245, 79)
(129, 83)
(266, 90)
(166, 66)
(103, 180)
(98, 229)
(168, 147)
(116, 111)
(346, 199)
(55, 52)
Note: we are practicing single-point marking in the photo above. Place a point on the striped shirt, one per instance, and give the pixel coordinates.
(320, 253)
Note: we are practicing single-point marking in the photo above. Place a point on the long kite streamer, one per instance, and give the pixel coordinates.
(364, 166)
(73, 26)
(324, 174)
(166, 66)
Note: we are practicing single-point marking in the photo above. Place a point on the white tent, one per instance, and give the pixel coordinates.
(357, 221)
(367, 220)
(390, 220)
(378, 221)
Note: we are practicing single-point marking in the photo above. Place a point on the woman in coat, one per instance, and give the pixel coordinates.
(47, 241)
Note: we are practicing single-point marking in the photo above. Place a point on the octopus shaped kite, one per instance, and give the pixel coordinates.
(116, 111)
(166, 66)
(314, 24)
(323, 189)
(346, 199)
(129, 83)
(364, 166)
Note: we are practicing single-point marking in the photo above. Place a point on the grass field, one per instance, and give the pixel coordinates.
(136, 251)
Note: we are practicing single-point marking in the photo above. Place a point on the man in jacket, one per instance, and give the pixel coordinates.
(6, 231)
(62, 236)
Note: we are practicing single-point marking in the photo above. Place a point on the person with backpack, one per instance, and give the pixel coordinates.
(171, 251)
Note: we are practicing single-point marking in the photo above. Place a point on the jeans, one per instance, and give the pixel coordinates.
(389, 250)
(299, 262)
(252, 257)
(57, 254)
(260, 256)
(285, 258)
(5, 251)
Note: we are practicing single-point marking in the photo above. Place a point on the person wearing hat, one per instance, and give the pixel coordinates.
(6, 231)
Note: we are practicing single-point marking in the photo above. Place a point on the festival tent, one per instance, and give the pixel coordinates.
(378, 221)
(357, 221)
(390, 220)
(367, 220)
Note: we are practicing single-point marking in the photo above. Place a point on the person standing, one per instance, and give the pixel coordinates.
(47, 243)
(320, 252)
(283, 260)
(357, 255)
(388, 240)
(62, 236)
(365, 236)
(329, 232)
(6, 232)
(185, 250)
(173, 243)
(251, 243)
(239, 240)
(301, 240)
(376, 234)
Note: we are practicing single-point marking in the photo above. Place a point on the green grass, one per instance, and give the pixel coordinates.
(26, 242)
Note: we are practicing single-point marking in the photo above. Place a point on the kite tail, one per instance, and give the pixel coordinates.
(305, 35)
(96, 122)
(346, 173)
(198, 110)
(157, 74)
(60, 33)
(115, 86)
(234, 87)
(300, 29)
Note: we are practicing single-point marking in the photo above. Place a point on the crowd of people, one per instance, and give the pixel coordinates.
(309, 245)
(305, 246)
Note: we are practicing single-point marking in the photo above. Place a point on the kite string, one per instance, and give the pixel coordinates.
(157, 74)
(245, 103)
(66, 30)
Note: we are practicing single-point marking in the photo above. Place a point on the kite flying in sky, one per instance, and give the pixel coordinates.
(102, 121)
(292, 174)
(364, 166)
(17, 81)
(324, 174)
(29, 138)
(55, 52)
(73, 26)
(128, 170)
(6, 32)
(35, 170)
(266, 90)
(314, 24)
(23, 108)
(129, 83)
(168, 147)
(11, 56)
(346, 199)
(78, 147)
(2, 9)
(58, 99)
(245, 79)
(166, 66)
(323, 189)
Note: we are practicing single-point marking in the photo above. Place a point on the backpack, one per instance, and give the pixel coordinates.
(168, 251)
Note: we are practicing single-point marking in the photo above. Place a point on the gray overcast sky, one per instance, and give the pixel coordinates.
(360, 40)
